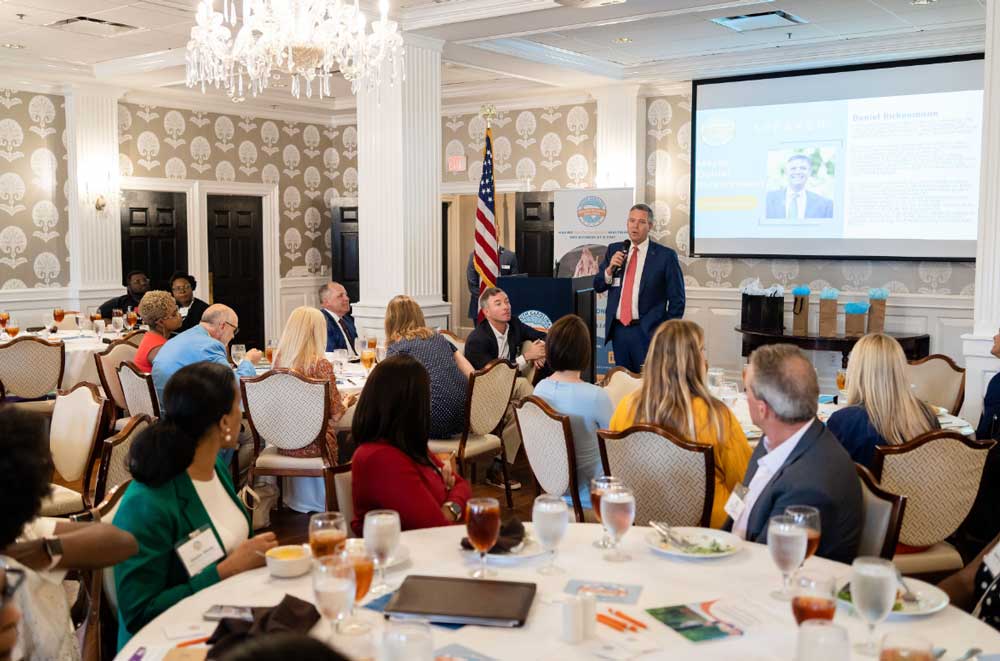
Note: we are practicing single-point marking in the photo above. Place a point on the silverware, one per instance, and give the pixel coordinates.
(938, 652)
(909, 596)
(972, 653)
(668, 535)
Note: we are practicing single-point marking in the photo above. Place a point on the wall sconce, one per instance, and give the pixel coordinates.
(100, 200)
(100, 203)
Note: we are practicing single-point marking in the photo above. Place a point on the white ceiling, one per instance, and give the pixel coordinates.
(497, 49)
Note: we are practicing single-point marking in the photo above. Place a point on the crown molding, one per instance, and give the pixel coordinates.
(194, 101)
(467, 10)
(558, 98)
(665, 89)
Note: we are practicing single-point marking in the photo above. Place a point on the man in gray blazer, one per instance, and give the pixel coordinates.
(798, 461)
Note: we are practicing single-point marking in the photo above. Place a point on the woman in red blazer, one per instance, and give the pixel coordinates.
(392, 467)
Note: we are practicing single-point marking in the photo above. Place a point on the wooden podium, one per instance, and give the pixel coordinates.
(914, 346)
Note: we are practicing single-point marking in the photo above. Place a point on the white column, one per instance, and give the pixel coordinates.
(619, 142)
(95, 236)
(399, 190)
(979, 364)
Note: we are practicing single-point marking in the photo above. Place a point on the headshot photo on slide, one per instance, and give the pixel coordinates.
(800, 184)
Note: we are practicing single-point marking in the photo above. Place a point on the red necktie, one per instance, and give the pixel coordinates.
(625, 314)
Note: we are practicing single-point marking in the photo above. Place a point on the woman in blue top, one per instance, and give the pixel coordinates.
(567, 351)
(882, 409)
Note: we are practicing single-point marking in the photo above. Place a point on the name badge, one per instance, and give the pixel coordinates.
(992, 561)
(737, 502)
(200, 550)
(505, 267)
(617, 282)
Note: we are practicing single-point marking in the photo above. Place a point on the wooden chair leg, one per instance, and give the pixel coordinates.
(473, 472)
(331, 492)
(506, 480)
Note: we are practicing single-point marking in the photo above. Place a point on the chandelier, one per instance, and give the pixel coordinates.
(242, 49)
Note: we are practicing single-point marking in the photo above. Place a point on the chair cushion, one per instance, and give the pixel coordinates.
(474, 446)
(940, 557)
(43, 406)
(269, 458)
(63, 501)
(121, 422)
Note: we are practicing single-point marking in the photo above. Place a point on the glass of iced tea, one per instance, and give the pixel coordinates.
(842, 380)
(364, 568)
(807, 517)
(813, 597)
(482, 517)
(132, 318)
(905, 647)
(269, 352)
(4, 318)
(13, 328)
(58, 314)
(368, 359)
(598, 486)
(372, 342)
(327, 533)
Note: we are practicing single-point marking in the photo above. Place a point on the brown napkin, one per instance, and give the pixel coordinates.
(511, 534)
(291, 615)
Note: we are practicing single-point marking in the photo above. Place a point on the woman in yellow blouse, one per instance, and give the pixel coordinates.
(675, 396)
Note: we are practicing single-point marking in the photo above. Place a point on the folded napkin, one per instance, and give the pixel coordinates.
(511, 534)
(291, 615)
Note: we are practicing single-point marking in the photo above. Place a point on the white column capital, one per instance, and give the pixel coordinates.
(94, 89)
(619, 143)
(420, 41)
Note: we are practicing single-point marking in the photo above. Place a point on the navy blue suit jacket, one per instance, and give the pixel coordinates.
(661, 289)
(334, 338)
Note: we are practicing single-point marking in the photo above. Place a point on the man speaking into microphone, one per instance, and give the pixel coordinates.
(645, 285)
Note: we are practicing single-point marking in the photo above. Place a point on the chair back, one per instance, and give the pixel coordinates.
(287, 410)
(939, 381)
(30, 367)
(490, 390)
(79, 418)
(939, 473)
(620, 382)
(70, 321)
(673, 480)
(138, 390)
(883, 517)
(134, 337)
(105, 511)
(548, 442)
(343, 483)
(107, 370)
(114, 452)
(453, 339)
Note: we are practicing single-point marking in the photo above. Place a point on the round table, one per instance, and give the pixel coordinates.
(748, 576)
(81, 346)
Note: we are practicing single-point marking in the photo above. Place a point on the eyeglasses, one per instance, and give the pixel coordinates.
(236, 329)
(180, 289)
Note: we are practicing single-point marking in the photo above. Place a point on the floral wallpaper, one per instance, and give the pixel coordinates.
(33, 208)
(551, 147)
(314, 166)
(668, 185)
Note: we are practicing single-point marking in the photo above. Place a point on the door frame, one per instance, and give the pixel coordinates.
(197, 193)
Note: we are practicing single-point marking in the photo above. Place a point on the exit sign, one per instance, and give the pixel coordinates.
(456, 163)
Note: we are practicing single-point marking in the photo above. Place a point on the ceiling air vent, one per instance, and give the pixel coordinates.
(762, 21)
(94, 27)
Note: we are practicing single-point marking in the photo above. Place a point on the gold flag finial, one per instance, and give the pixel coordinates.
(488, 111)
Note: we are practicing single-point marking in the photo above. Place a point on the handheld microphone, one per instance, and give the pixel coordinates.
(627, 247)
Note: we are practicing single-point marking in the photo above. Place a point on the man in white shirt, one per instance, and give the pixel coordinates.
(798, 461)
(794, 202)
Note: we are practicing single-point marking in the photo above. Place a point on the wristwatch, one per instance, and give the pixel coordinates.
(456, 510)
(53, 546)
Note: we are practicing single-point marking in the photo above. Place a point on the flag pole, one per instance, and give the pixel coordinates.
(488, 111)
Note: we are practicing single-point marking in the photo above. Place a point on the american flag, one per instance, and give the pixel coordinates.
(487, 259)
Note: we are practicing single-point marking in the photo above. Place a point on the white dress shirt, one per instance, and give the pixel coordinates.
(503, 349)
(767, 468)
(799, 200)
(640, 257)
(336, 322)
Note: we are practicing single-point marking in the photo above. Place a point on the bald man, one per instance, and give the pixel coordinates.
(208, 341)
(336, 307)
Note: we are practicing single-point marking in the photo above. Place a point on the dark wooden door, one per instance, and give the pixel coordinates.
(345, 250)
(236, 263)
(444, 249)
(535, 232)
(154, 234)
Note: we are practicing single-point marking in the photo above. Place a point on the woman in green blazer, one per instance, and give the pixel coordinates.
(181, 488)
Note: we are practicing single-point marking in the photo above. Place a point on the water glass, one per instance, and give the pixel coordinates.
(549, 520)
(716, 375)
(381, 533)
(807, 517)
(360, 344)
(729, 393)
(340, 358)
(787, 541)
(118, 323)
(407, 641)
(873, 594)
(617, 515)
(238, 352)
(482, 525)
(598, 486)
(822, 640)
(99, 328)
(334, 585)
(905, 647)
(327, 533)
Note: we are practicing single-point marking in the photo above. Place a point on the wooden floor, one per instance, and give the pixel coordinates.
(292, 527)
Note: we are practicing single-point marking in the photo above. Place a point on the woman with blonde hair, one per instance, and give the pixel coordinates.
(158, 310)
(674, 395)
(406, 332)
(881, 407)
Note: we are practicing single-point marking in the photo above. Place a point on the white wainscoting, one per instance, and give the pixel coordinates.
(294, 292)
(33, 307)
(945, 318)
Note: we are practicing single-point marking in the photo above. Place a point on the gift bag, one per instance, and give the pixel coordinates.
(876, 315)
(800, 315)
(854, 325)
(260, 501)
(762, 313)
(827, 317)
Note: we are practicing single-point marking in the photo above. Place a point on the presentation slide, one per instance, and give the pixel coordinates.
(875, 162)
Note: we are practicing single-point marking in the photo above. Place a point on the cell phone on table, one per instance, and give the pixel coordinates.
(218, 612)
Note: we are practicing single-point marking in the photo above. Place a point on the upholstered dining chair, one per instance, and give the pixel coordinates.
(938, 380)
(108, 361)
(134, 337)
(105, 511)
(489, 393)
(289, 411)
(80, 418)
(31, 369)
(673, 480)
(138, 390)
(620, 382)
(883, 517)
(548, 442)
(455, 340)
(343, 484)
(939, 473)
(114, 454)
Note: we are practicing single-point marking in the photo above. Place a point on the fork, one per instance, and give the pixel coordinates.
(667, 534)
(908, 595)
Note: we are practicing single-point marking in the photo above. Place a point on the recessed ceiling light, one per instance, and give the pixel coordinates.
(12, 46)
(623, 40)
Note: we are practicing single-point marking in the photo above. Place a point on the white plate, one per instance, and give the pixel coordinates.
(529, 550)
(696, 535)
(932, 599)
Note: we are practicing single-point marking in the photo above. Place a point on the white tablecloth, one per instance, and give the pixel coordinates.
(80, 349)
(748, 576)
